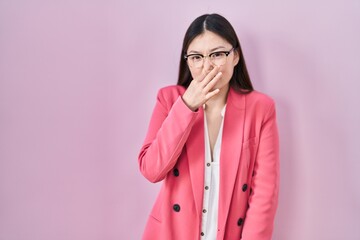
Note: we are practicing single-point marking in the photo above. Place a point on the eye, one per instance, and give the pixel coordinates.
(195, 58)
(216, 55)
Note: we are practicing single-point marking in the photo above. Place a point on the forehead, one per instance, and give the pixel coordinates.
(206, 41)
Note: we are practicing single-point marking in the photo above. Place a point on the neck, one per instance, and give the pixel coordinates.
(219, 100)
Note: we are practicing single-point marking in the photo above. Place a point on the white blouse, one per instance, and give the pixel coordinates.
(211, 183)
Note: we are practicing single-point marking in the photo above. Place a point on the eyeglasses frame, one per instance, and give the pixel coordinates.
(227, 53)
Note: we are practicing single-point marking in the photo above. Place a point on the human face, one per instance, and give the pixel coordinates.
(207, 43)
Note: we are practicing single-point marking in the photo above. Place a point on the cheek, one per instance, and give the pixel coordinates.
(195, 72)
(227, 72)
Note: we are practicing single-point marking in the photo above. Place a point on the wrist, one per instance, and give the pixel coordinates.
(194, 109)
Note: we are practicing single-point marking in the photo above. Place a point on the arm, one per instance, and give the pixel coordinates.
(265, 183)
(167, 133)
(170, 126)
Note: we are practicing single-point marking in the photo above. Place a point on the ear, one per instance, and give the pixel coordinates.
(236, 57)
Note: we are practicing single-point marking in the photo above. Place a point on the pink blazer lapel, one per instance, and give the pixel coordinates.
(231, 148)
(195, 148)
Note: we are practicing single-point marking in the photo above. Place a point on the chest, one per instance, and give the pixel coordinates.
(213, 124)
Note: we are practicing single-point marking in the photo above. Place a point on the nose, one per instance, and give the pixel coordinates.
(208, 65)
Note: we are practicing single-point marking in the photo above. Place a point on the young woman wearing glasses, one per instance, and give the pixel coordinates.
(213, 142)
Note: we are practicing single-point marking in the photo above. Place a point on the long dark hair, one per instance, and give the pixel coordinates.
(240, 81)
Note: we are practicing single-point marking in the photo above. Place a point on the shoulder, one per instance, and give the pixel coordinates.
(260, 104)
(254, 102)
(256, 97)
(169, 94)
(170, 90)
(253, 98)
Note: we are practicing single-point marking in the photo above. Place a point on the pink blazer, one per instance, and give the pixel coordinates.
(173, 152)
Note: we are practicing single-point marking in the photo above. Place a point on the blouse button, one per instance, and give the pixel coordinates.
(244, 187)
(208, 164)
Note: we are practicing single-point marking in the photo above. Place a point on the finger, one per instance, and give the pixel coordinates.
(212, 83)
(202, 76)
(211, 94)
(211, 75)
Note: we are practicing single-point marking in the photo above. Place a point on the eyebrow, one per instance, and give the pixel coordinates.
(211, 50)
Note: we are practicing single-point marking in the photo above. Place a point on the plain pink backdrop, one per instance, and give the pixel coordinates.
(71, 125)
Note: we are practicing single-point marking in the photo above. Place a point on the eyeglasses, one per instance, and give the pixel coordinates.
(217, 58)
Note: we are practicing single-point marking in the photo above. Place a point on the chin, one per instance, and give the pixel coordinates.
(222, 85)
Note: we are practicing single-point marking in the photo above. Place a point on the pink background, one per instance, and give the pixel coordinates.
(78, 81)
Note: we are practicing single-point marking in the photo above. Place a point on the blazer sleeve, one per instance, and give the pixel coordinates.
(263, 200)
(169, 128)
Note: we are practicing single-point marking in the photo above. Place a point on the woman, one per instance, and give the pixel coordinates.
(213, 141)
